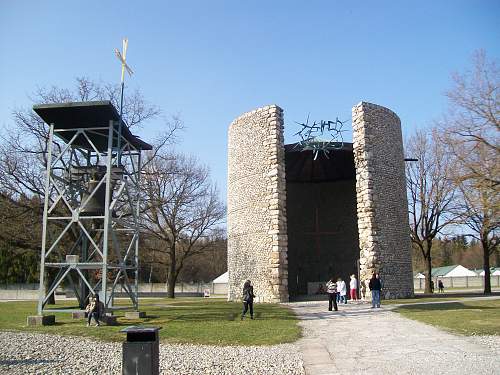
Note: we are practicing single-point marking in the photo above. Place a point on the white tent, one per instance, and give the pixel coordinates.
(222, 279)
(220, 283)
(420, 275)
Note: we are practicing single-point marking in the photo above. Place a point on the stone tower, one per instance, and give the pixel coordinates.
(384, 237)
(256, 212)
(257, 215)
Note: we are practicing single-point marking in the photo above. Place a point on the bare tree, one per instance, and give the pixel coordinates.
(471, 130)
(479, 210)
(23, 149)
(430, 194)
(183, 209)
(473, 119)
(209, 264)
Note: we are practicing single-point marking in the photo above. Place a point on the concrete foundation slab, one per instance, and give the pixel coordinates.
(41, 320)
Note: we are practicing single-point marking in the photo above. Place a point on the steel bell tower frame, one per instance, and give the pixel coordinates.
(91, 217)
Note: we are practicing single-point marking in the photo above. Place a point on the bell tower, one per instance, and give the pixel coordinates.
(90, 238)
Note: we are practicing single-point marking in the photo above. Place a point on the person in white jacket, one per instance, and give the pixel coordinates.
(342, 290)
(353, 288)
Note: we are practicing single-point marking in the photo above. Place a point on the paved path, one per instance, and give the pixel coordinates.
(361, 340)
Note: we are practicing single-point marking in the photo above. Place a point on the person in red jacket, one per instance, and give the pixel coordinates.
(353, 288)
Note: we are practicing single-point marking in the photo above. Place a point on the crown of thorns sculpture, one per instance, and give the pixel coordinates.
(311, 136)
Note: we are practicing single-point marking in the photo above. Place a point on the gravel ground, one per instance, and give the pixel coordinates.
(28, 353)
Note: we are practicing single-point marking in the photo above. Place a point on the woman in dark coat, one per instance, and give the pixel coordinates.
(248, 297)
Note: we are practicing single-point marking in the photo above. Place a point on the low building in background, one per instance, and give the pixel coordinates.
(457, 276)
(456, 270)
(494, 271)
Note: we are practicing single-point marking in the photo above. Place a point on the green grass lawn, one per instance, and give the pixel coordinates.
(468, 317)
(197, 321)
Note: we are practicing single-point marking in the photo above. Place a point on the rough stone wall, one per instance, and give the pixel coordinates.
(256, 204)
(384, 239)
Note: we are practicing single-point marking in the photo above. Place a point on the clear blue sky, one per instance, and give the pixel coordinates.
(210, 61)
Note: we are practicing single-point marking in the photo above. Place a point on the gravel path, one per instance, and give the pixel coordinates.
(360, 340)
(28, 353)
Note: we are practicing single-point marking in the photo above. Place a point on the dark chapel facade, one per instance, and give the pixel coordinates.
(295, 220)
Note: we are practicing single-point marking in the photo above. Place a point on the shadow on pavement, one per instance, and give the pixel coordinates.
(341, 313)
(25, 362)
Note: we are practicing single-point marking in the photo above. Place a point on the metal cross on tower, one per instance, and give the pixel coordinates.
(123, 59)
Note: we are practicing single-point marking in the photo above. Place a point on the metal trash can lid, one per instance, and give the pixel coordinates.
(140, 329)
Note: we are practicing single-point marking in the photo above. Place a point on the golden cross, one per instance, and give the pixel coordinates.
(122, 58)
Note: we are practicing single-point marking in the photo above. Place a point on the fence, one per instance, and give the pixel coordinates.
(30, 291)
(464, 282)
(182, 288)
(19, 291)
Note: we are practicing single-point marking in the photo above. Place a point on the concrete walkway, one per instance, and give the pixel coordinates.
(361, 340)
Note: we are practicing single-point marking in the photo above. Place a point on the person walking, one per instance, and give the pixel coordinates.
(342, 291)
(353, 288)
(440, 286)
(375, 287)
(331, 289)
(93, 310)
(248, 297)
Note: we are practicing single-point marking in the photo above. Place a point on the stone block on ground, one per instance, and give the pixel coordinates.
(135, 314)
(109, 320)
(41, 320)
(78, 314)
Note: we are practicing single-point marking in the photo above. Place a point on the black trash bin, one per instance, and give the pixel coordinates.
(141, 351)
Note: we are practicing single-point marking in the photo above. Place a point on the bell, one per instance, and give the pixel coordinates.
(95, 206)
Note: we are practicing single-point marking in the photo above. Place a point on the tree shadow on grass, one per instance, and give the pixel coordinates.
(443, 307)
(63, 323)
(148, 318)
(226, 314)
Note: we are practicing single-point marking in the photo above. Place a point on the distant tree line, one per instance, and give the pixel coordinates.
(20, 245)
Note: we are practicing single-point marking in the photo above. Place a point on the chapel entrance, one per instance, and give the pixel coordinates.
(321, 218)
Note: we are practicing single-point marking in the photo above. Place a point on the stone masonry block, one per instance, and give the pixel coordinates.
(135, 314)
(41, 320)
